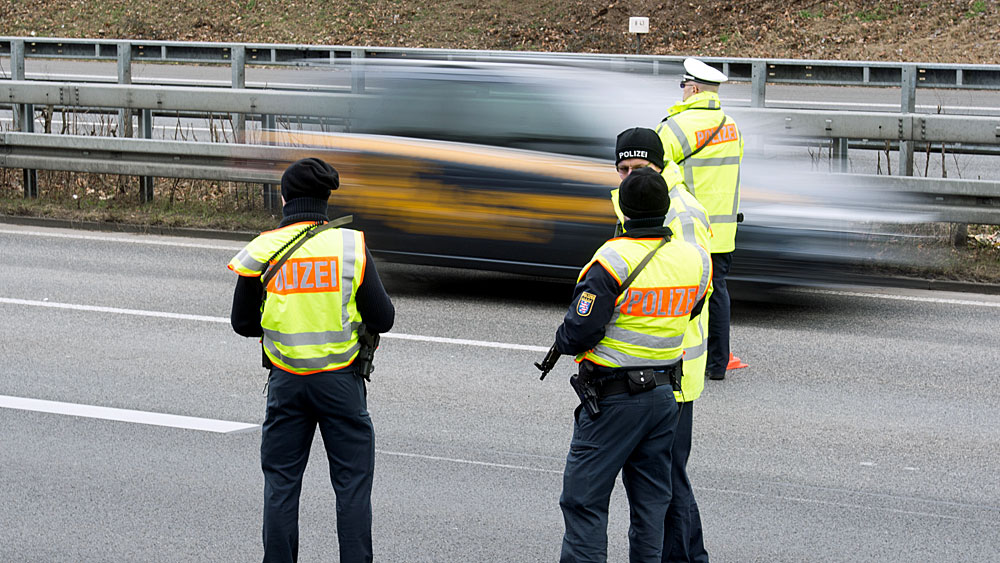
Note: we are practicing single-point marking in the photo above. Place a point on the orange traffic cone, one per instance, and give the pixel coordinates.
(735, 362)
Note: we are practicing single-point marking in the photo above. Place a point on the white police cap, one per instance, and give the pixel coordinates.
(701, 72)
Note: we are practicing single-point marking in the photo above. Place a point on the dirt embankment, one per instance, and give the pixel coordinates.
(963, 31)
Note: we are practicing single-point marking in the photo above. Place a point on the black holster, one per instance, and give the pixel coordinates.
(364, 362)
(584, 383)
(265, 362)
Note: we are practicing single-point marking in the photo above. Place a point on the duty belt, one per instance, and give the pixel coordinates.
(638, 381)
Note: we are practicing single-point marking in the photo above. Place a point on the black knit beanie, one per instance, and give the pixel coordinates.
(309, 177)
(643, 193)
(639, 142)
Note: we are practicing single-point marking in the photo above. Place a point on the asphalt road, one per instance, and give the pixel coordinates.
(867, 427)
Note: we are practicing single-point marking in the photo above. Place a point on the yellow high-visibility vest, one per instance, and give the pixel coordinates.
(712, 174)
(651, 316)
(688, 221)
(688, 218)
(310, 318)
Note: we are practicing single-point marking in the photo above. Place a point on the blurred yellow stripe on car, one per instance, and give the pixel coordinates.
(565, 167)
(404, 183)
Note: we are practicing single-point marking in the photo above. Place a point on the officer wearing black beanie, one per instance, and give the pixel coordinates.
(309, 177)
(313, 381)
(639, 142)
(628, 341)
(305, 189)
(643, 194)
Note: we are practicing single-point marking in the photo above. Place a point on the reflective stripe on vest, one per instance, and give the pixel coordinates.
(695, 350)
(693, 221)
(248, 262)
(695, 359)
(650, 318)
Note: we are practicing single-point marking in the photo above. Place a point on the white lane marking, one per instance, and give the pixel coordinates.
(204, 318)
(471, 462)
(234, 246)
(114, 310)
(463, 341)
(941, 300)
(126, 415)
(835, 503)
(796, 499)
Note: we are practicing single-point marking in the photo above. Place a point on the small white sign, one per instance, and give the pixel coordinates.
(638, 25)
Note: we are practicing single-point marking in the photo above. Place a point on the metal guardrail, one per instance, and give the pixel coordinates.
(178, 98)
(786, 71)
(790, 122)
(147, 158)
(870, 125)
(958, 201)
(144, 157)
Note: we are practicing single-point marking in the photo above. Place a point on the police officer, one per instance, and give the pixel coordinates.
(309, 322)
(626, 327)
(640, 148)
(708, 147)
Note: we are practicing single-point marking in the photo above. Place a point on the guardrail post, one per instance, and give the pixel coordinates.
(840, 154)
(271, 196)
(758, 74)
(146, 183)
(357, 71)
(239, 59)
(24, 114)
(124, 77)
(908, 104)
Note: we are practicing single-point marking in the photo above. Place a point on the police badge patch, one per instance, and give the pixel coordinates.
(586, 304)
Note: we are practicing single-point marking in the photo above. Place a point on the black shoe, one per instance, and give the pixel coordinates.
(717, 376)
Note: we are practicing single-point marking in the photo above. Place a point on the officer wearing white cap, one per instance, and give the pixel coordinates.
(706, 143)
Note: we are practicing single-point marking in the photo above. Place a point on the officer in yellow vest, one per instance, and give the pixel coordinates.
(309, 323)
(626, 328)
(638, 148)
(708, 147)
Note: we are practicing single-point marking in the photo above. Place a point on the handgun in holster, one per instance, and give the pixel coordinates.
(366, 355)
(584, 385)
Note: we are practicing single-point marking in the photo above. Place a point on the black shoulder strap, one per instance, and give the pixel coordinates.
(645, 260)
(271, 271)
(707, 141)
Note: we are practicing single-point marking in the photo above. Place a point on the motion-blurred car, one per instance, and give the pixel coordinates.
(508, 168)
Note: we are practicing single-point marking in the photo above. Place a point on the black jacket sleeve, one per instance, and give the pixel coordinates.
(245, 316)
(373, 302)
(697, 308)
(583, 327)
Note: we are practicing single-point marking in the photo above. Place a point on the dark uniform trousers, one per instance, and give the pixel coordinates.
(718, 316)
(634, 436)
(296, 404)
(682, 537)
